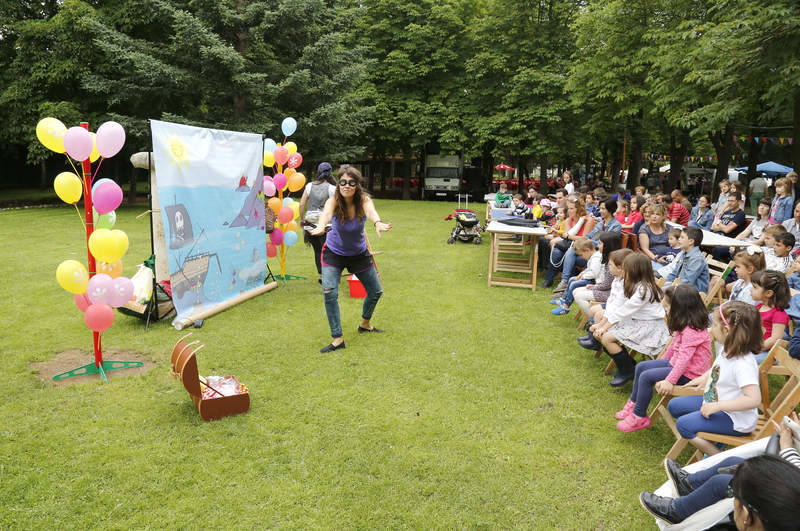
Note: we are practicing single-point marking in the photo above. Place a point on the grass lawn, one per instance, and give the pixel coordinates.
(476, 409)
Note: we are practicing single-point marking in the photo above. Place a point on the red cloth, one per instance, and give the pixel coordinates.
(678, 213)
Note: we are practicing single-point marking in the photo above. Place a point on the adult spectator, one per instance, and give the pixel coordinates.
(731, 222)
(792, 176)
(561, 198)
(702, 216)
(758, 189)
(606, 223)
(676, 212)
(315, 195)
(578, 224)
(755, 230)
(678, 197)
(737, 186)
(644, 211)
(653, 236)
(793, 226)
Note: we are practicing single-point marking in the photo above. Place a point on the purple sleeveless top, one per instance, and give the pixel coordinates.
(347, 239)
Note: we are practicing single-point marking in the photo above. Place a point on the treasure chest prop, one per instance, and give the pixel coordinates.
(214, 396)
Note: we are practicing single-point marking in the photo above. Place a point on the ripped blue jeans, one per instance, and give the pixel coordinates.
(330, 291)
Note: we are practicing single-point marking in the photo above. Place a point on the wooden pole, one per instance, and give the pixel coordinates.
(204, 314)
(86, 169)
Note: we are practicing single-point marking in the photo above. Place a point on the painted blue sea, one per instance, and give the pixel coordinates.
(215, 242)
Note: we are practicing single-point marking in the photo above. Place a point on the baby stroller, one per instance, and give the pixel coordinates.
(467, 227)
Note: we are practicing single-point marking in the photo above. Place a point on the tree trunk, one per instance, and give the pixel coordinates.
(616, 167)
(753, 154)
(723, 145)
(241, 45)
(587, 161)
(43, 180)
(677, 153)
(796, 133)
(543, 187)
(603, 164)
(635, 168)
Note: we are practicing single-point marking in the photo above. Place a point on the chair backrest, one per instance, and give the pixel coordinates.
(778, 361)
(718, 269)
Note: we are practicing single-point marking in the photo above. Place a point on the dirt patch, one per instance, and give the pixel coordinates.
(71, 359)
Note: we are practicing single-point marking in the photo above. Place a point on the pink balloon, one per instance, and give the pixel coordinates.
(107, 197)
(295, 160)
(285, 214)
(280, 181)
(78, 143)
(276, 236)
(99, 289)
(99, 317)
(281, 154)
(121, 291)
(269, 186)
(81, 301)
(110, 139)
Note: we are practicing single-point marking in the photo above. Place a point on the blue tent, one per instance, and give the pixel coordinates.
(772, 169)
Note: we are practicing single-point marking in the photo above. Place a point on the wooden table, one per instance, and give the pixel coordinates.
(519, 264)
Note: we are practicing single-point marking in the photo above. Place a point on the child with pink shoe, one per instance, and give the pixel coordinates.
(688, 356)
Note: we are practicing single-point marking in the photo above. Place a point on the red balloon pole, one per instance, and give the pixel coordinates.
(86, 167)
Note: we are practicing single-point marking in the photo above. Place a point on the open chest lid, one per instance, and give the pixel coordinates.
(186, 367)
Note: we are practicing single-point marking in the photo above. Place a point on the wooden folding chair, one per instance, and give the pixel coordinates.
(784, 402)
(715, 267)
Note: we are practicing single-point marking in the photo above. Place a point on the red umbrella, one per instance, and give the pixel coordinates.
(503, 167)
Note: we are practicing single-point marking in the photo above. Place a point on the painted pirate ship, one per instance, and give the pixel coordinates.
(193, 269)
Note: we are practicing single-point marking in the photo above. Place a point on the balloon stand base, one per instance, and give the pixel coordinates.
(91, 368)
(290, 277)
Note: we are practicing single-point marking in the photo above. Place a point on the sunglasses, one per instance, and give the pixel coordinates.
(351, 183)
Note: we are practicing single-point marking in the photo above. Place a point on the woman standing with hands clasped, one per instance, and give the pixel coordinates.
(346, 247)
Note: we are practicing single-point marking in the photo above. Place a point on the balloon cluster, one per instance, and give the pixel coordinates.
(287, 210)
(97, 294)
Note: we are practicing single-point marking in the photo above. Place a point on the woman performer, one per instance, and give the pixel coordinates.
(346, 246)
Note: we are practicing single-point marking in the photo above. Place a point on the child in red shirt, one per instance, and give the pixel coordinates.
(771, 292)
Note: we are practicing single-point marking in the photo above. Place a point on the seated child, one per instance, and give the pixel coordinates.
(502, 199)
(673, 237)
(601, 290)
(747, 263)
(519, 208)
(729, 405)
(690, 266)
(779, 257)
(771, 293)
(536, 207)
(634, 320)
(559, 223)
(688, 356)
(607, 242)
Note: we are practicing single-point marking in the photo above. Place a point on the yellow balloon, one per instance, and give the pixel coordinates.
(108, 245)
(94, 155)
(291, 147)
(121, 242)
(291, 226)
(113, 270)
(296, 182)
(289, 172)
(50, 133)
(72, 276)
(296, 209)
(269, 159)
(68, 187)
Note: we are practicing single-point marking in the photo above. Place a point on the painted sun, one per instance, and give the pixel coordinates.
(178, 152)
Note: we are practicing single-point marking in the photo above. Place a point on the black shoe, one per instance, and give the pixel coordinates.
(362, 330)
(588, 324)
(591, 344)
(626, 368)
(331, 348)
(587, 337)
(661, 507)
(679, 478)
(547, 284)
